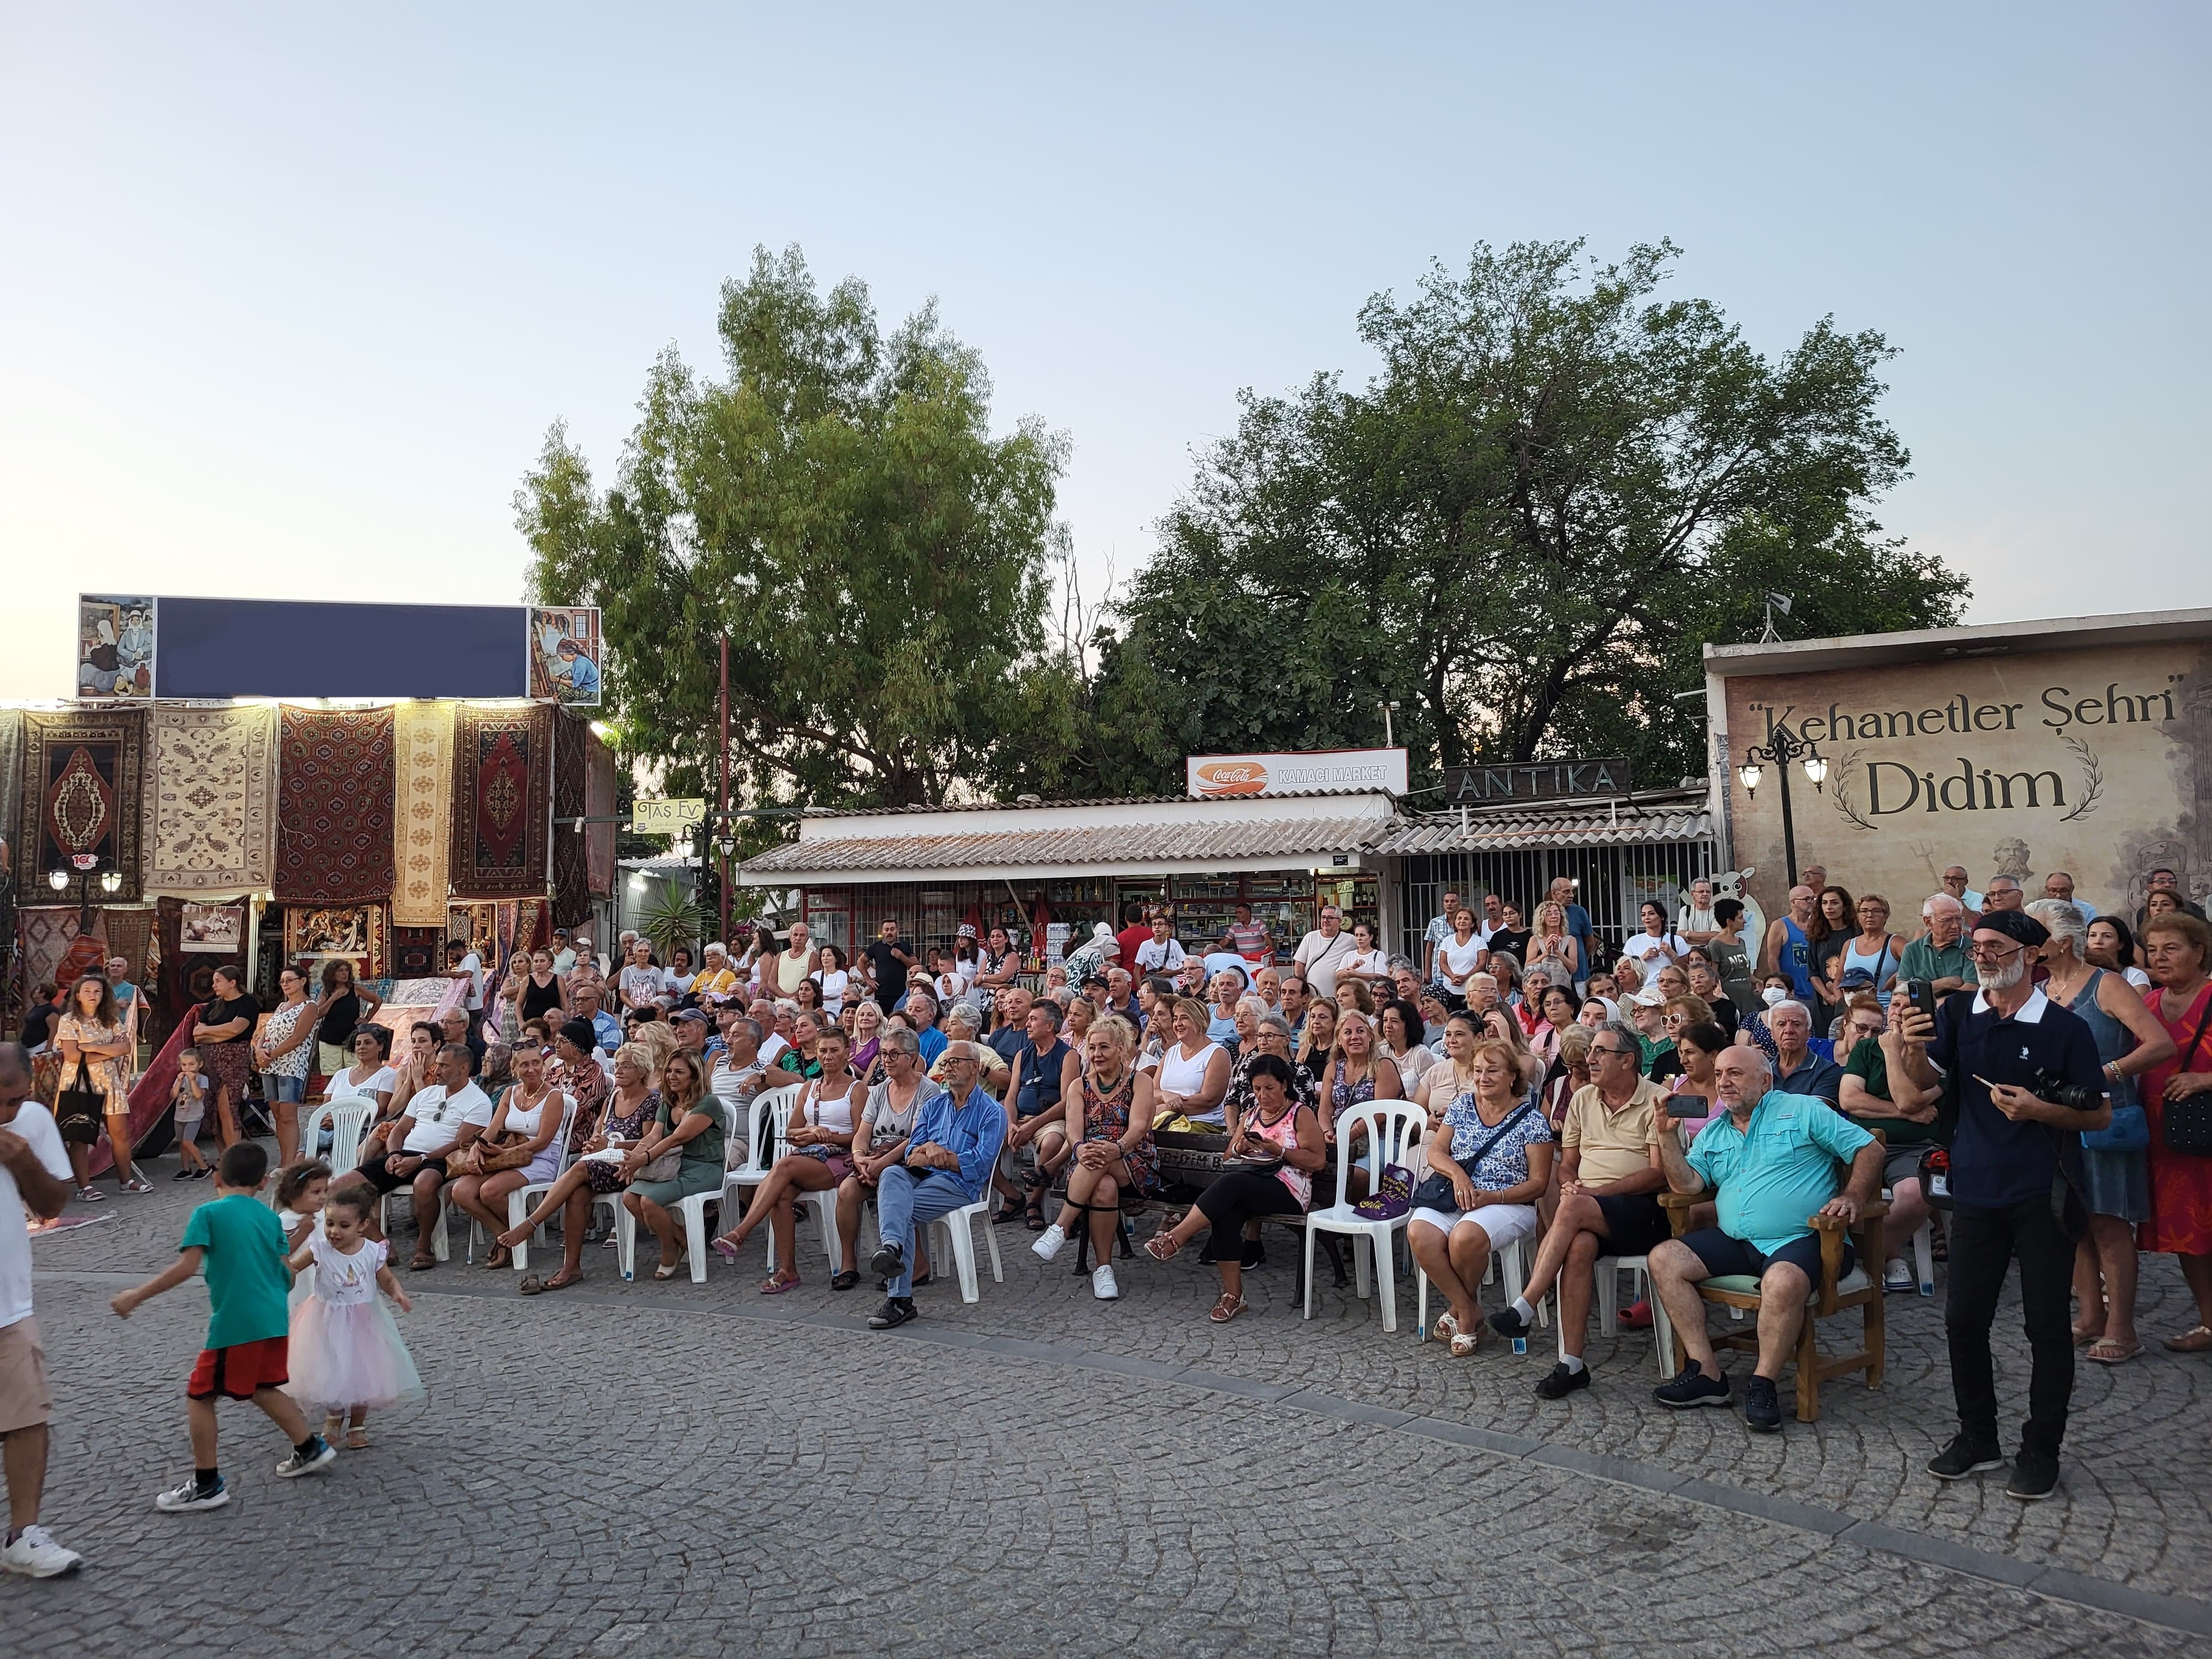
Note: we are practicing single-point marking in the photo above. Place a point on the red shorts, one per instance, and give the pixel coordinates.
(242, 1372)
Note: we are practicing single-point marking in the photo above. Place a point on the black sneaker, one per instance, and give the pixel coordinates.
(182, 1175)
(2033, 1477)
(319, 1453)
(1762, 1406)
(887, 1262)
(1692, 1388)
(1962, 1457)
(1560, 1382)
(1255, 1255)
(1506, 1322)
(894, 1312)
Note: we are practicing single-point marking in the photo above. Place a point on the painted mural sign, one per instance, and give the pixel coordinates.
(2098, 763)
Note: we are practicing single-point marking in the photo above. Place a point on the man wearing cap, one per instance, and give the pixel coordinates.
(951, 1153)
(564, 954)
(691, 1028)
(2015, 1187)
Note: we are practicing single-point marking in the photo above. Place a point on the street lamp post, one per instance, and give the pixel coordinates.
(111, 883)
(1783, 746)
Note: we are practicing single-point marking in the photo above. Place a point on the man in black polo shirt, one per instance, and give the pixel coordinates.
(2015, 1173)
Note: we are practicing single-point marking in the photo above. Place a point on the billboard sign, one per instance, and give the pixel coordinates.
(1208, 777)
(1560, 779)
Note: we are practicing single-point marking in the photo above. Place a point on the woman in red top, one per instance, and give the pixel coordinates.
(2178, 949)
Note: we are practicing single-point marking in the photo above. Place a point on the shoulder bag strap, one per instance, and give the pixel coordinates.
(2196, 1041)
(1496, 1135)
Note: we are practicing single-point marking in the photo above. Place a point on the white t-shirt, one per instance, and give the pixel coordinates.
(771, 1049)
(1366, 962)
(1642, 948)
(1690, 920)
(474, 1001)
(383, 1081)
(1159, 955)
(1321, 957)
(833, 985)
(1457, 960)
(641, 985)
(36, 1125)
(439, 1118)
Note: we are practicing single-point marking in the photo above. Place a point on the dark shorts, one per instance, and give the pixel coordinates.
(378, 1175)
(1635, 1225)
(1902, 1163)
(242, 1372)
(1723, 1255)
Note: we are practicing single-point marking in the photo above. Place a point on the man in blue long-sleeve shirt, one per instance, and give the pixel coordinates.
(951, 1153)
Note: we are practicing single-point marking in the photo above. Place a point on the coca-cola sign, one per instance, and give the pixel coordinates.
(1306, 772)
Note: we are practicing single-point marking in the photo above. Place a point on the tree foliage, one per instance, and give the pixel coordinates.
(839, 510)
(1557, 488)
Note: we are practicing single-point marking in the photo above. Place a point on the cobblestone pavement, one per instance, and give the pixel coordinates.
(626, 1468)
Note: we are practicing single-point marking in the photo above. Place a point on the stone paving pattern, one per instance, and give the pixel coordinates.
(631, 1468)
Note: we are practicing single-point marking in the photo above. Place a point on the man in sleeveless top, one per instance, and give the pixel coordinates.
(1786, 949)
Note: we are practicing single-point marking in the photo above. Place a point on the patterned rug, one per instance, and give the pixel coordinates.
(210, 797)
(11, 771)
(600, 838)
(334, 806)
(424, 813)
(417, 952)
(572, 771)
(185, 978)
(130, 935)
(47, 933)
(503, 771)
(81, 774)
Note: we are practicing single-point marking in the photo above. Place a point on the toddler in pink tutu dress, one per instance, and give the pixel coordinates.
(346, 1352)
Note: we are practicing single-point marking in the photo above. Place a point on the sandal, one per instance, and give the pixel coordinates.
(333, 1426)
(423, 1263)
(1162, 1247)
(777, 1286)
(356, 1440)
(91, 1195)
(532, 1285)
(1033, 1212)
(1443, 1327)
(725, 1248)
(2083, 1338)
(845, 1281)
(1226, 1308)
(1464, 1343)
(501, 1256)
(2196, 1340)
(2106, 1351)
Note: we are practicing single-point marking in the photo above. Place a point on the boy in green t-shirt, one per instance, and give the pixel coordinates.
(240, 1242)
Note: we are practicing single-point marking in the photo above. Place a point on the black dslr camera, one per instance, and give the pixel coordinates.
(2050, 1086)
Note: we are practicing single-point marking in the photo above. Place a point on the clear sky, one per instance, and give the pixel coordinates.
(289, 296)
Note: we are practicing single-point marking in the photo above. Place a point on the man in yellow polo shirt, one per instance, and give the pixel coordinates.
(1610, 1178)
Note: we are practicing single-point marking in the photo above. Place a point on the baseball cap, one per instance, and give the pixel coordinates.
(691, 1014)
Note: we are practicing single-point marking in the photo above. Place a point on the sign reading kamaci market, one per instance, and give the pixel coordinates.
(1306, 772)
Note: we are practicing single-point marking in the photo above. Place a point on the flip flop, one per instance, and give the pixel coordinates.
(2106, 1351)
(2196, 1340)
(724, 1248)
(2082, 1339)
(558, 1283)
(777, 1286)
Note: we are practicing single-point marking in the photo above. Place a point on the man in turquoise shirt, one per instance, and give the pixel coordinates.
(1773, 1157)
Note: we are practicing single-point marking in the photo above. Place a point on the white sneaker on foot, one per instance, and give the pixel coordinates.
(35, 1555)
(1897, 1275)
(1050, 1242)
(186, 1495)
(1103, 1284)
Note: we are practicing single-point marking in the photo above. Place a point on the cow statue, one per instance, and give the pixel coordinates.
(1734, 883)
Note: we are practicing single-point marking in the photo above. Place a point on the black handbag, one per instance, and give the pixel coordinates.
(1437, 1192)
(79, 1108)
(2187, 1124)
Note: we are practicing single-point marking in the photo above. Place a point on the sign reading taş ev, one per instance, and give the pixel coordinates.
(1560, 779)
(671, 817)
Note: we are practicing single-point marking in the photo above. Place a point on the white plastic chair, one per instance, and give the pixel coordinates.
(1924, 1256)
(691, 1211)
(1607, 1269)
(347, 1120)
(958, 1231)
(439, 1248)
(519, 1200)
(771, 1112)
(1395, 1131)
(1512, 1264)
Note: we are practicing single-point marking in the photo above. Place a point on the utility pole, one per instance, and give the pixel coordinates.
(721, 837)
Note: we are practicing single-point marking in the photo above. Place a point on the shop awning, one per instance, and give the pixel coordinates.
(1679, 818)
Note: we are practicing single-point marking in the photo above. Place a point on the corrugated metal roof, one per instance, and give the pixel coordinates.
(1043, 806)
(1185, 845)
(1587, 827)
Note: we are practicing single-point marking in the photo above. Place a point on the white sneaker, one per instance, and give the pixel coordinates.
(35, 1555)
(1897, 1275)
(1102, 1286)
(1050, 1242)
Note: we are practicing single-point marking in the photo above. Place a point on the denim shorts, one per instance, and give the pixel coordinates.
(275, 1086)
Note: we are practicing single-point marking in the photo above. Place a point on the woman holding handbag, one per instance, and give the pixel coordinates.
(2177, 1098)
(680, 1157)
(1490, 1160)
(95, 1052)
(2115, 1184)
(519, 1149)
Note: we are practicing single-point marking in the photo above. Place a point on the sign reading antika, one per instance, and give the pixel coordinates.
(2096, 762)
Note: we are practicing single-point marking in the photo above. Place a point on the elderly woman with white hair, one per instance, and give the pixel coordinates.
(2115, 1182)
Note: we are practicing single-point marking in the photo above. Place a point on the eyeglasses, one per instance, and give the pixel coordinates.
(1982, 952)
(1595, 1050)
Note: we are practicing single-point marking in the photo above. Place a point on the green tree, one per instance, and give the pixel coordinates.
(839, 510)
(1522, 530)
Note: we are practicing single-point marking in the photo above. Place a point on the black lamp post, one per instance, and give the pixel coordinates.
(111, 883)
(1783, 746)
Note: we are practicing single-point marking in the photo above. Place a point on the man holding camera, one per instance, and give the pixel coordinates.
(2028, 1083)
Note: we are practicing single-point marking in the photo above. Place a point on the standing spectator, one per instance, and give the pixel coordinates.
(91, 1036)
(462, 962)
(1322, 954)
(2179, 947)
(1459, 954)
(2003, 894)
(783, 973)
(2005, 1163)
(1787, 947)
(640, 984)
(679, 977)
(1366, 965)
(2163, 880)
(564, 953)
(1136, 929)
(38, 1018)
(1161, 953)
(1868, 961)
(127, 1006)
(2059, 885)
(340, 1011)
(1553, 946)
(223, 1032)
(2115, 1184)
(2112, 946)
(1694, 921)
(35, 1173)
(1509, 937)
(1578, 922)
(1877, 1094)
(1653, 945)
(1938, 957)
(1957, 886)
(284, 1053)
(998, 965)
(1441, 927)
(1833, 921)
(1731, 957)
(888, 961)
(1249, 938)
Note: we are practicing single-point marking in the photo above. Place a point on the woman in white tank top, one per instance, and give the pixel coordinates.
(819, 1133)
(1193, 1082)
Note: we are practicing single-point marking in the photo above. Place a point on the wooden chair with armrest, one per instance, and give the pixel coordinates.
(1837, 1292)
